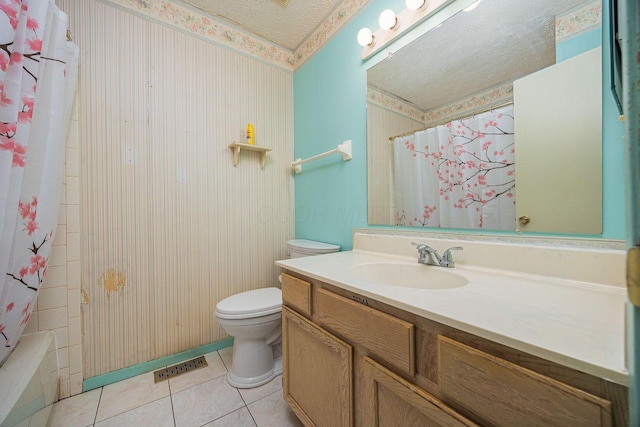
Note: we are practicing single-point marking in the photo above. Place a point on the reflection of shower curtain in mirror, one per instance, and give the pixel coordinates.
(458, 175)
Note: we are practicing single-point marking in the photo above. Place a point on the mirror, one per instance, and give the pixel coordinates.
(459, 69)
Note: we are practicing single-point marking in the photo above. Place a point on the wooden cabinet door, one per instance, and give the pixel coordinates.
(391, 401)
(317, 373)
(501, 393)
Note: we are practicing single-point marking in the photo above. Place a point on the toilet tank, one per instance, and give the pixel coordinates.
(301, 248)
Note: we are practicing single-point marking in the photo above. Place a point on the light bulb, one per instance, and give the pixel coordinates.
(388, 20)
(365, 37)
(472, 6)
(415, 4)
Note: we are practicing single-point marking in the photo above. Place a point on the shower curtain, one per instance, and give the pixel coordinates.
(38, 73)
(458, 175)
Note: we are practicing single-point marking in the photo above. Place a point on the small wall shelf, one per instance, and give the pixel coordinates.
(238, 146)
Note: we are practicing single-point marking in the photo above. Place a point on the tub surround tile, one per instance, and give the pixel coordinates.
(205, 402)
(75, 383)
(73, 190)
(123, 396)
(65, 390)
(62, 337)
(56, 277)
(239, 418)
(64, 373)
(77, 411)
(60, 238)
(71, 159)
(73, 275)
(52, 298)
(273, 411)
(157, 414)
(75, 331)
(214, 369)
(75, 358)
(73, 246)
(63, 357)
(73, 218)
(73, 302)
(52, 319)
(58, 256)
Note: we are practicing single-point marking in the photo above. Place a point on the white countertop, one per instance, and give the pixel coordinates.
(573, 323)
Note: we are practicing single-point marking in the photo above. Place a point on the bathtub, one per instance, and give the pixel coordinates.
(29, 381)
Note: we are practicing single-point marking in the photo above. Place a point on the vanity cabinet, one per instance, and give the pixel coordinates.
(350, 360)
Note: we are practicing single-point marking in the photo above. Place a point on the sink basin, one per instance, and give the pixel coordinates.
(407, 275)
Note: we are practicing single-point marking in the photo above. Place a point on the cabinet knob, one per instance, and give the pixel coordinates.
(524, 220)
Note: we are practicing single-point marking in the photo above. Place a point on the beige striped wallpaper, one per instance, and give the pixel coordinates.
(168, 225)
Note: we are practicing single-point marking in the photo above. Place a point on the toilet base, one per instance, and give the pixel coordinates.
(244, 382)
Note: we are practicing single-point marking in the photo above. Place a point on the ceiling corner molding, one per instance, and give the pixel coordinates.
(331, 26)
(578, 21)
(479, 101)
(207, 27)
(203, 25)
(392, 103)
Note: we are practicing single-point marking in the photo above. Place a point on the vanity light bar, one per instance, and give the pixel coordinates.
(416, 11)
(416, 4)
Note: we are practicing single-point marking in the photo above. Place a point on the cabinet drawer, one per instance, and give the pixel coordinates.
(388, 338)
(501, 393)
(392, 401)
(296, 293)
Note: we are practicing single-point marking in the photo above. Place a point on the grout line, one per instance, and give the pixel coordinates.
(173, 410)
(95, 416)
(251, 415)
(245, 403)
(223, 362)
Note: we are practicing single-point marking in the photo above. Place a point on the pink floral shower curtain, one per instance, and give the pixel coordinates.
(38, 73)
(458, 175)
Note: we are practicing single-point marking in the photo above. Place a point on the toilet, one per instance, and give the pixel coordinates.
(254, 320)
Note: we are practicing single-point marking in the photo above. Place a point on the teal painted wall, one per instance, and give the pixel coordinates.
(329, 101)
(330, 106)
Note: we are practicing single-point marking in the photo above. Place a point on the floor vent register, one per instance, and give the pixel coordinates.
(179, 369)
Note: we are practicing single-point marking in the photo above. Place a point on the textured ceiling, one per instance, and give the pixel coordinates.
(287, 26)
(498, 42)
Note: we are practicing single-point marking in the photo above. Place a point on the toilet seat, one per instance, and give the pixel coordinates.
(250, 304)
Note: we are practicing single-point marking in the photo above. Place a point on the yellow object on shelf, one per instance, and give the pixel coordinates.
(250, 135)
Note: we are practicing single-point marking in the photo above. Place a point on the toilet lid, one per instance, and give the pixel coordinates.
(259, 302)
(312, 247)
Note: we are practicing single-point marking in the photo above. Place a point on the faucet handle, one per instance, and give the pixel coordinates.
(447, 258)
(423, 250)
(419, 246)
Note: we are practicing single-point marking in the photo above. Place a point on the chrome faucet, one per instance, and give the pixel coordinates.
(430, 256)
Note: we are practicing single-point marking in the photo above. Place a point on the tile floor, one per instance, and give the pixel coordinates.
(198, 398)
